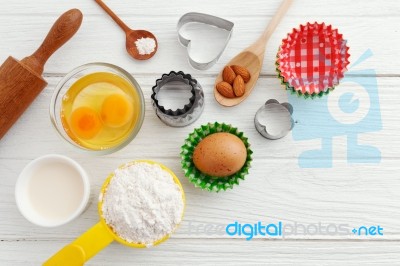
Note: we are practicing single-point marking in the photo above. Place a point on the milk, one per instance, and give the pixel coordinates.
(55, 191)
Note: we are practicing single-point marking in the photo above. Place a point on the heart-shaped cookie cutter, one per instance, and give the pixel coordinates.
(273, 107)
(205, 19)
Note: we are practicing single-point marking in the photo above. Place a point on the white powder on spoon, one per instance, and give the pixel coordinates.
(145, 45)
(142, 203)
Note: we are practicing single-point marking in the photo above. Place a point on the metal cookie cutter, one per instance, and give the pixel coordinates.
(191, 111)
(282, 111)
(205, 19)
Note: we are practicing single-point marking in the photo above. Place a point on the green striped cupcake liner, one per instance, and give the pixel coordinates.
(202, 180)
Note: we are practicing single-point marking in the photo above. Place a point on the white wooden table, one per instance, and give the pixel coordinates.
(276, 189)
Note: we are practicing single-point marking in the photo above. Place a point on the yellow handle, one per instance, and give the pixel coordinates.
(83, 248)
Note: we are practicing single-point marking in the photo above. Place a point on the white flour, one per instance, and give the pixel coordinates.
(145, 45)
(142, 203)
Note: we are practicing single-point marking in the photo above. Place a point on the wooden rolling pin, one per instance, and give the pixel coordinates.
(21, 81)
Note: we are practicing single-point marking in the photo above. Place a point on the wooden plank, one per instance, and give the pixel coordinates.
(100, 39)
(153, 8)
(276, 189)
(28, 133)
(218, 252)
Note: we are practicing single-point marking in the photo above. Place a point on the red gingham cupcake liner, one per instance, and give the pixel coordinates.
(319, 37)
(305, 95)
(313, 58)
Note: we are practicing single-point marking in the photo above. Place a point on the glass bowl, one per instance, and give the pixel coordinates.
(64, 85)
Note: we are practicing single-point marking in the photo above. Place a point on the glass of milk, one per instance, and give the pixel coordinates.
(52, 190)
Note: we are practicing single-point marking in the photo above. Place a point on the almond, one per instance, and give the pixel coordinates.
(238, 86)
(225, 89)
(241, 71)
(228, 75)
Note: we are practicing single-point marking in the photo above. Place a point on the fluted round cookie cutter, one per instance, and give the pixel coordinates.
(273, 107)
(205, 19)
(187, 114)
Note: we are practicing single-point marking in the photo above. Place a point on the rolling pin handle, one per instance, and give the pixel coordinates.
(63, 29)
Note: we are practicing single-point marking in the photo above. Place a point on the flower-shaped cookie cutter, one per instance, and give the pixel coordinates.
(188, 113)
(209, 20)
(284, 112)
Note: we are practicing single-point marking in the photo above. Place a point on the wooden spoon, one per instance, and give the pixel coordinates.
(252, 58)
(131, 35)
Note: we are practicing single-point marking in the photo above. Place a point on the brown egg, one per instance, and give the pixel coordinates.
(220, 154)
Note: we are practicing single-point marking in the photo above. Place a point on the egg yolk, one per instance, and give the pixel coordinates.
(116, 111)
(85, 122)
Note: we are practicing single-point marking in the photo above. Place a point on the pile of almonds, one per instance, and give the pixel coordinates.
(234, 79)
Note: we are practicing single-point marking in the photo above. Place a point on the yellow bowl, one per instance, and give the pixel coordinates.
(101, 235)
